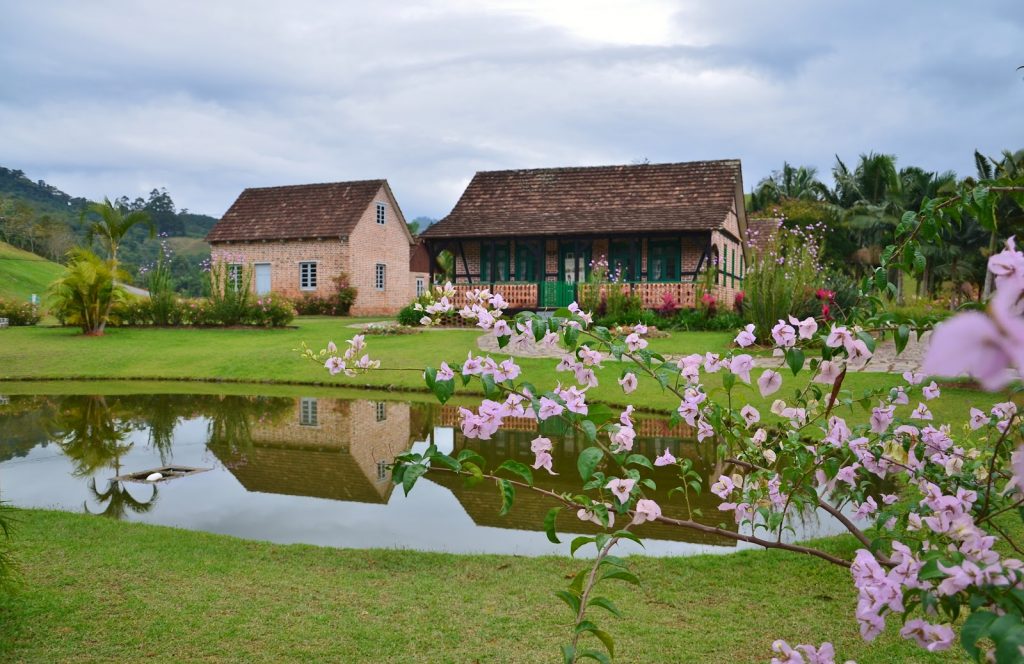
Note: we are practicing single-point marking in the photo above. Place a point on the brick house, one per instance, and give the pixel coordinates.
(532, 234)
(298, 239)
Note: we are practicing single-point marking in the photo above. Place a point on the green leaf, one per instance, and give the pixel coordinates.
(475, 477)
(639, 460)
(605, 637)
(589, 429)
(412, 473)
(588, 461)
(445, 460)
(508, 494)
(577, 542)
(622, 575)
(900, 337)
(975, 628)
(569, 598)
(470, 455)
(568, 654)
(595, 655)
(795, 360)
(490, 387)
(549, 525)
(868, 340)
(607, 605)
(728, 380)
(519, 468)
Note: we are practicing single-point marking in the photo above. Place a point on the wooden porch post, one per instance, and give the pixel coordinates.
(465, 263)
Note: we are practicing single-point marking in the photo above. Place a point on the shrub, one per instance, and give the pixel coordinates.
(271, 311)
(19, 313)
(407, 315)
(336, 304)
(85, 294)
(132, 311)
(162, 298)
(695, 320)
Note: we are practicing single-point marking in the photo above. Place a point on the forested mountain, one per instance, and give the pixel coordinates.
(40, 218)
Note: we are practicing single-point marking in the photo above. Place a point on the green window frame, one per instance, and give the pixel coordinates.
(624, 259)
(496, 254)
(526, 263)
(663, 260)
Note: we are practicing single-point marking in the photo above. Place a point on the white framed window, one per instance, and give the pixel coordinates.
(307, 275)
(382, 411)
(380, 276)
(421, 286)
(381, 213)
(308, 412)
(235, 276)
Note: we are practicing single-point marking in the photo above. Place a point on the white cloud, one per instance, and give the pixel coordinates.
(208, 98)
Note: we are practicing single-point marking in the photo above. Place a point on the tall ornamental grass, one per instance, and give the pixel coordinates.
(782, 278)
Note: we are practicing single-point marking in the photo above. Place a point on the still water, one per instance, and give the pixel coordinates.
(309, 469)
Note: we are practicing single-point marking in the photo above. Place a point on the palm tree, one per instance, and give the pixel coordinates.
(119, 500)
(87, 291)
(446, 264)
(110, 223)
(794, 183)
(1008, 212)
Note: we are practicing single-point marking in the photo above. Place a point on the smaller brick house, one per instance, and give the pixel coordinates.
(298, 239)
(533, 234)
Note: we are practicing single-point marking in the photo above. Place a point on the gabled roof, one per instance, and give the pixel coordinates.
(691, 196)
(302, 211)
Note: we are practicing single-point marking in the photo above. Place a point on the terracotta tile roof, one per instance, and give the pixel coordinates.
(761, 231)
(299, 211)
(692, 196)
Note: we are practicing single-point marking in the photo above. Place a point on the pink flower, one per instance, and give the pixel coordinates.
(540, 444)
(335, 365)
(574, 400)
(881, 418)
(750, 415)
(471, 366)
(622, 439)
(913, 378)
(930, 637)
(584, 514)
(666, 459)
(331, 348)
(628, 382)
(723, 487)
(769, 382)
(828, 372)
(634, 342)
(741, 366)
(590, 357)
(806, 327)
(838, 336)
(621, 488)
(445, 372)
(746, 337)
(921, 413)
(898, 396)
(506, 370)
(979, 418)
(803, 654)
(543, 460)
(784, 335)
(549, 408)
(704, 430)
(931, 391)
(646, 510)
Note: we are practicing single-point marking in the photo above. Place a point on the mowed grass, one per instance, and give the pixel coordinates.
(97, 590)
(268, 356)
(23, 273)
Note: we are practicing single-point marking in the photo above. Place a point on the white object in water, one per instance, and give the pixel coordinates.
(153, 477)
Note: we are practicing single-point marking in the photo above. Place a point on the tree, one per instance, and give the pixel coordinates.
(792, 183)
(86, 292)
(1008, 213)
(110, 223)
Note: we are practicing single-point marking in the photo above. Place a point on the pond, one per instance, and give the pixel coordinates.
(309, 469)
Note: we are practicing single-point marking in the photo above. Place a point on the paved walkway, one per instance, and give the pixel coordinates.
(884, 360)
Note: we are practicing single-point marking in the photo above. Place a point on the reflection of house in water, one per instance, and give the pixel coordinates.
(482, 501)
(328, 448)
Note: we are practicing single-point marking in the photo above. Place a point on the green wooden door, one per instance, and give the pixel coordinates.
(557, 294)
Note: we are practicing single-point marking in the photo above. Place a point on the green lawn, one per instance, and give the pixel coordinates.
(267, 356)
(97, 590)
(23, 273)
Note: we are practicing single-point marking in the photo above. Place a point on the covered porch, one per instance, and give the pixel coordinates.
(546, 272)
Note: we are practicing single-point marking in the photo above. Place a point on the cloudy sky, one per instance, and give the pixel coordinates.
(207, 98)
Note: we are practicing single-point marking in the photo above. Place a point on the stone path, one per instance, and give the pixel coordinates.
(885, 359)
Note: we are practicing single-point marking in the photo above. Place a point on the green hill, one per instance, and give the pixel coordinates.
(23, 273)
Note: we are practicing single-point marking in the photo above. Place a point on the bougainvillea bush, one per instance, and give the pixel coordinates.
(936, 508)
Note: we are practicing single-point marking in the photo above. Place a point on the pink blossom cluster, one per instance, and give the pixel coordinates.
(350, 362)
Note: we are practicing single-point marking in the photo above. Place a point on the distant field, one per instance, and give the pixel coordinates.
(23, 273)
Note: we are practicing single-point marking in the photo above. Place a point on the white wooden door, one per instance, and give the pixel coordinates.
(262, 278)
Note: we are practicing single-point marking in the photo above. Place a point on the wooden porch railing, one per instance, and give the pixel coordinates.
(524, 295)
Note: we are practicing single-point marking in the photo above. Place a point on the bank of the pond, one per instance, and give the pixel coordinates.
(269, 357)
(101, 590)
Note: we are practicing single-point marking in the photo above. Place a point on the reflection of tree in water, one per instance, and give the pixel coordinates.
(119, 501)
(91, 431)
(232, 419)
